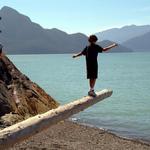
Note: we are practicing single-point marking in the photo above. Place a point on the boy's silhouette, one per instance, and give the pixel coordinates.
(91, 52)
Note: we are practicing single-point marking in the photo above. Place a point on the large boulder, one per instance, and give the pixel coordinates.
(20, 98)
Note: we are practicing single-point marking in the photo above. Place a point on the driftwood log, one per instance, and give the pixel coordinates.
(25, 129)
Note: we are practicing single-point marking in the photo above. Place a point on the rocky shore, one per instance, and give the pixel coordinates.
(20, 98)
(67, 135)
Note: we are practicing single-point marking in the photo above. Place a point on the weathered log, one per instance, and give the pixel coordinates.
(23, 130)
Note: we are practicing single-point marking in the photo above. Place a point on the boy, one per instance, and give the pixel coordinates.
(1, 46)
(91, 53)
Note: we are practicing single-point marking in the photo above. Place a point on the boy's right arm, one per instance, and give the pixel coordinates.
(109, 47)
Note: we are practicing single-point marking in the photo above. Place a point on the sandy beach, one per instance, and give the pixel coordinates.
(67, 135)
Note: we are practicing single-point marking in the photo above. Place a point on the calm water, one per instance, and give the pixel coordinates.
(126, 113)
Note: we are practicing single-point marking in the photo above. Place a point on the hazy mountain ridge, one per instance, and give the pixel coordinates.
(22, 36)
(140, 43)
(123, 34)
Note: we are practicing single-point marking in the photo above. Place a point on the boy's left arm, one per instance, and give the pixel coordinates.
(77, 55)
(109, 47)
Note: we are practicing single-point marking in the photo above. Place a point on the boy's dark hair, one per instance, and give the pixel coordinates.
(92, 38)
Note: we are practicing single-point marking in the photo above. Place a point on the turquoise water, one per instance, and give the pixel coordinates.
(126, 113)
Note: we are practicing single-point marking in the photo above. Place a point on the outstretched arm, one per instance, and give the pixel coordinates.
(109, 47)
(77, 55)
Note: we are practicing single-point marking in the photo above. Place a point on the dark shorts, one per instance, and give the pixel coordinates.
(92, 71)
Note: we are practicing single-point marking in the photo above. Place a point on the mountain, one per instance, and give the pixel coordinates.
(119, 48)
(123, 34)
(22, 36)
(140, 43)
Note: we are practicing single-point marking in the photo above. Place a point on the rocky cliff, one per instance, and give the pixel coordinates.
(20, 98)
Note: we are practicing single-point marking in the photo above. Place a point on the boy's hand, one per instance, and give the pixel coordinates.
(74, 56)
(115, 44)
(77, 55)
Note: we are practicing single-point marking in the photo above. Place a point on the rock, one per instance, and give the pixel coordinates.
(10, 119)
(5, 104)
(20, 98)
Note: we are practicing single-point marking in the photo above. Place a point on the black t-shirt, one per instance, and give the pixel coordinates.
(91, 53)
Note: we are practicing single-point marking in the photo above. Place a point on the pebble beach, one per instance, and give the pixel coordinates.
(68, 135)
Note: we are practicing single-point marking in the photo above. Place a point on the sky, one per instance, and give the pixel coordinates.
(85, 16)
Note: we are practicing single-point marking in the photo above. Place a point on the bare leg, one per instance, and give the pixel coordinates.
(92, 83)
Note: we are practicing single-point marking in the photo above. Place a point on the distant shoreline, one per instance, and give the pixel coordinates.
(73, 53)
(141, 140)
